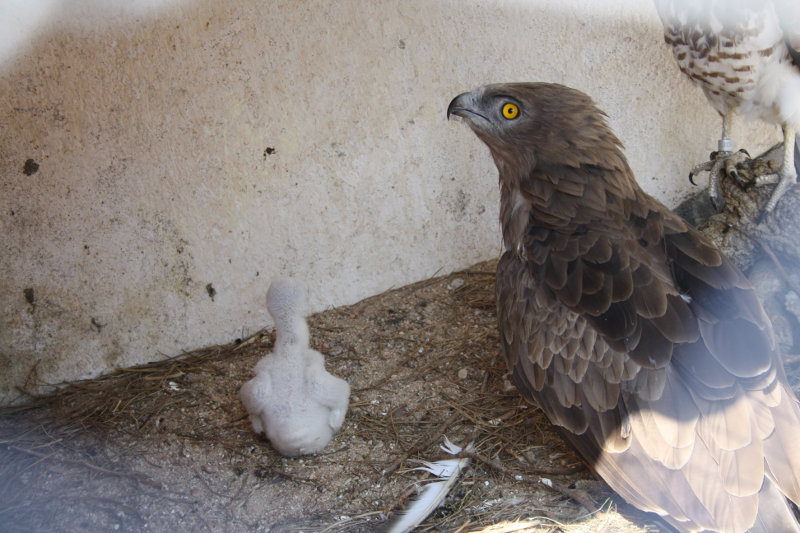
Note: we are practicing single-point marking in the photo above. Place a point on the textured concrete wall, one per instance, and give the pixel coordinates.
(161, 161)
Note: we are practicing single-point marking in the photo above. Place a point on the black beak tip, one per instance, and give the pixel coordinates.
(456, 105)
(450, 109)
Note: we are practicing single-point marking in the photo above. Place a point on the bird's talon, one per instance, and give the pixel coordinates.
(767, 179)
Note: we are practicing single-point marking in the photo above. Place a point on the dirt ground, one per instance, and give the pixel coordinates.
(168, 447)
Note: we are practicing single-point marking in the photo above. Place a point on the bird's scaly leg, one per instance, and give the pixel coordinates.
(786, 176)
(718, 164)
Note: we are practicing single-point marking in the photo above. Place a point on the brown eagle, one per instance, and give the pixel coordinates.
(630, 330)
(744, 55)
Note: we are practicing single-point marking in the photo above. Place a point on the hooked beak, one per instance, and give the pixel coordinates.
(464, 105)
(459, 105)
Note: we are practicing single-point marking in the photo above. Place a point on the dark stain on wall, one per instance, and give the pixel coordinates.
(29, 296)
(30, 167)
(211, 291)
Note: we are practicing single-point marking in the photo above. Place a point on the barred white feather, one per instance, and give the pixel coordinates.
(434, 493)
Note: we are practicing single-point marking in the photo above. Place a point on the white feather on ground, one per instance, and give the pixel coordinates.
(434, 493)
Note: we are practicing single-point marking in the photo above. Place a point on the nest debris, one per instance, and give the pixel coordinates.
(167, 446)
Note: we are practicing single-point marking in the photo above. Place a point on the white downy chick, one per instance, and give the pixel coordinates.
(292, 399)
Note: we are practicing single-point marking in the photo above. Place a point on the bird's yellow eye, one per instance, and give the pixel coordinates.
(510, 111)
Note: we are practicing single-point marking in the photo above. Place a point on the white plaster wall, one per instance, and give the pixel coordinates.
(186, 145)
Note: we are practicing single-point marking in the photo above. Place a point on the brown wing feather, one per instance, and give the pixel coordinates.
(695, 412)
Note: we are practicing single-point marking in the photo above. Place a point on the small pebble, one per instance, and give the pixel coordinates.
(335, 350)
(456, 284)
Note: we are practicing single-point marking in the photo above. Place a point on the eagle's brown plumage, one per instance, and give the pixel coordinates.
(628, 328)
